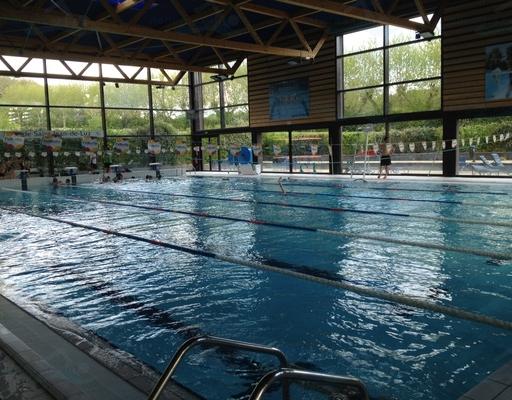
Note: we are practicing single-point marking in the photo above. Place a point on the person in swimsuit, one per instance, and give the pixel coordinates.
(385, 159)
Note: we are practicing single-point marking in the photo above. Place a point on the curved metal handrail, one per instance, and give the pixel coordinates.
(291, 375)
(211, 341)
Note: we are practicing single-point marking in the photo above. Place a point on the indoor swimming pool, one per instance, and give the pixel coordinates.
(406, 286)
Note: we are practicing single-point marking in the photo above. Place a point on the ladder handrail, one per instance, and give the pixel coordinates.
(211, 341)
(290, 375)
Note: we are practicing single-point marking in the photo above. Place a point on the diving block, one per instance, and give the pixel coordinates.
(246, 169)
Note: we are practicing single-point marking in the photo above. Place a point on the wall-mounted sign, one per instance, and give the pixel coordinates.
(498, 72)
(289, 99)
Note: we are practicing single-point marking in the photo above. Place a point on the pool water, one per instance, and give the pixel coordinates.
(147, 300)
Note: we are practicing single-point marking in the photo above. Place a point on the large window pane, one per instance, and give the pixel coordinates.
(358, 150)
(415, 61)
(275, 152)
(126, 95)
(363, 102)
(64, 92)
(127, 122)
(235, 92)
(22, 118)
(22, 91)
(211, 118)
(363, 40)
(417, 147)
(76, 119)
(211, 96)
(171, 122)
(237, 116)
(235, 140)
(167, 97)
(417, 96)
(361, 70)
(310, 151)
(484, 137)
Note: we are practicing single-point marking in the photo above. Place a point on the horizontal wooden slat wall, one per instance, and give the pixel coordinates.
(468, 28)
(266, 70)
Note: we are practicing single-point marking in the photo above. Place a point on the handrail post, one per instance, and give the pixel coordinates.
(300, 375)
(212, 342)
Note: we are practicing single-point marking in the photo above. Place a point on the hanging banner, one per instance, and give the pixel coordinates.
(507, 136)
(154, 147)
(181, 148)
(314, 149)
(51, 143)
(90, 144)
(412, 147)
(276, 149)
(471, 141)
(434, 145)
(444, 145)
(256, 150)
(424, 144)
(196, 149)
(401, 146)
(44, 154)
(31, 154)
(13, 141)
(502, 137)
(7, 155)
(234, 150)
(487, 139)
(454, 143)
(77, 153)
(494, 138)
(463, 142)
(478, 141)
(121, 146)
(211, 148)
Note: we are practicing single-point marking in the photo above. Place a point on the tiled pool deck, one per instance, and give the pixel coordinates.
(497, 386)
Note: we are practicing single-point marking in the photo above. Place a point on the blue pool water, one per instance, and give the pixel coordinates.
(147, 300)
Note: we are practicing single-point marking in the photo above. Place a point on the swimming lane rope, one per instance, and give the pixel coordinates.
(330, 209)
(434, 246)
(339, 284)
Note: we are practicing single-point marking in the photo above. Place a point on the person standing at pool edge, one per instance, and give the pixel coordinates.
(385, 159)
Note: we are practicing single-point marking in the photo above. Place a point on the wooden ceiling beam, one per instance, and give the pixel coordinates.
(300, 35)
(17, 46)
(184, 15)
(335, 8)
(247, 25)
(77, 22)
(421, 10)
(271, 12)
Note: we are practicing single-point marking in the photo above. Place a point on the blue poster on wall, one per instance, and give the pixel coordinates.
(498, 72)
(289, 99)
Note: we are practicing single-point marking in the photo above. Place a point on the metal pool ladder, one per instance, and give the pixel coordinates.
(285, 373)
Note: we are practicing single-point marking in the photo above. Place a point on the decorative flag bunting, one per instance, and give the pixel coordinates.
(276, 149)
(314, 149)
(256, 149)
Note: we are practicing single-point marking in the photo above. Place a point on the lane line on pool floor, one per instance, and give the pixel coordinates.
(434, 246)
(339, 284)
(329, 209)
